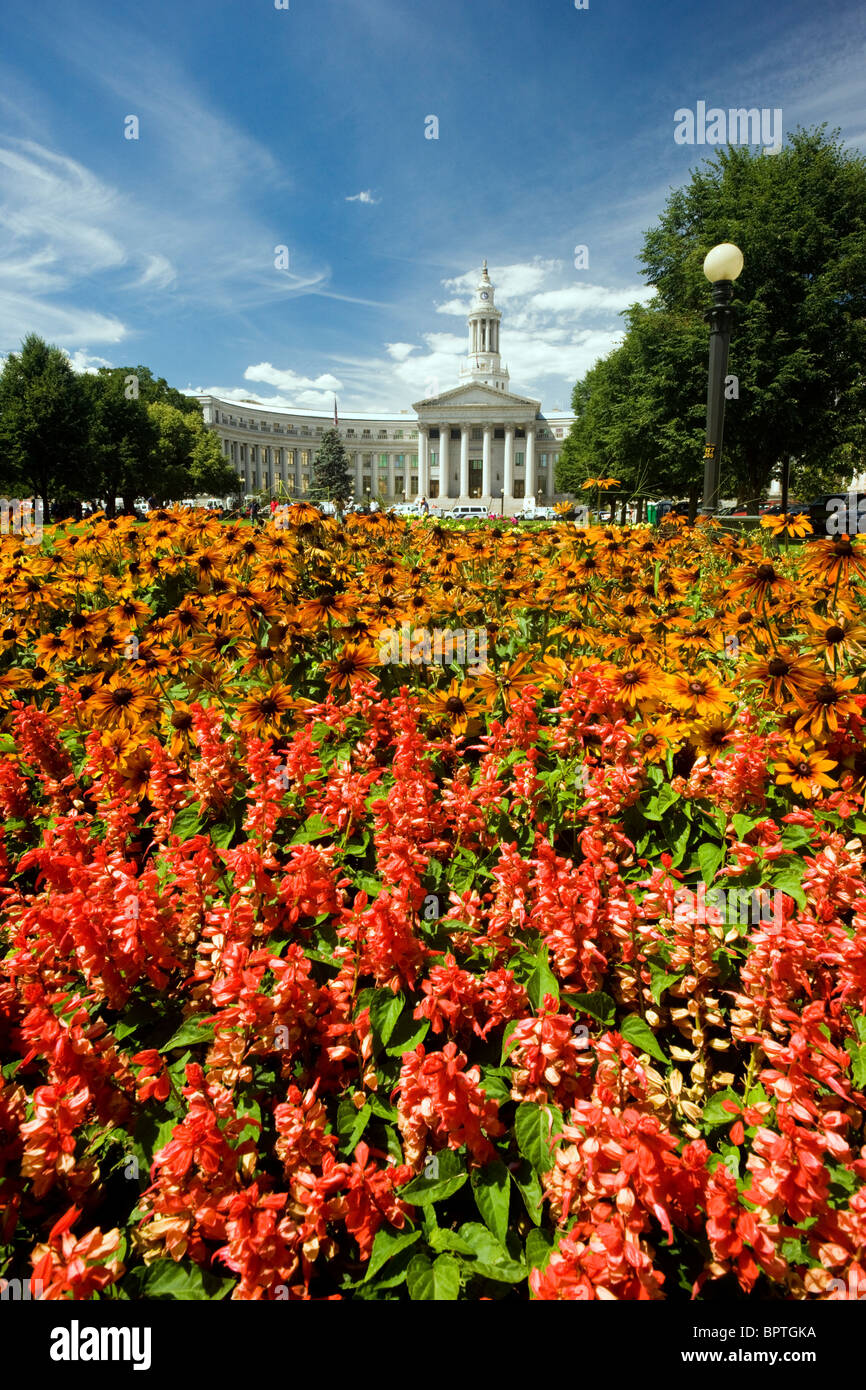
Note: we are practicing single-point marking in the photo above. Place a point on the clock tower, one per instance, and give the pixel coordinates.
(482, 363)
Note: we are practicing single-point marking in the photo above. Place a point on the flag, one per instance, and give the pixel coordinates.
(336, 421)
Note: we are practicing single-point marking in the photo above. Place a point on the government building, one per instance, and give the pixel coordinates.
(479, 442)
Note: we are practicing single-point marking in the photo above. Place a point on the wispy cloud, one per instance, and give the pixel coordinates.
(363, 197)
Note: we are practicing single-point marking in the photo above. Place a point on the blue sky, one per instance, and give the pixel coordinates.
(305, 128)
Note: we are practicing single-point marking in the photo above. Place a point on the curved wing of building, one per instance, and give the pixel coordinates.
(479, 442)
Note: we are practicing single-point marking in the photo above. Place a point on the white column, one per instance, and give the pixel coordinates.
(551, 470)
(392, 486)
(423, 463)
(359, 476)
(297, 454)
(508, 470)
(464, 463)
(444, 460)
(529, 471)
(485, 462)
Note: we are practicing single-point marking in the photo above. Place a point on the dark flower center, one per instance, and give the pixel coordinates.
(834, 634)
(778, 667)
(765, 573)
(697, 688)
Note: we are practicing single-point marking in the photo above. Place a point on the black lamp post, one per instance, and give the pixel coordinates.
(722, 265)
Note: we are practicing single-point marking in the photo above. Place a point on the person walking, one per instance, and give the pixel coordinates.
(424, 508)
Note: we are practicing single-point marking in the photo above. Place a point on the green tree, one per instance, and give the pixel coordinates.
(631, 420)
(43, 424)
(121, 438)
(798, 347)
(331, 470)
(186, 458)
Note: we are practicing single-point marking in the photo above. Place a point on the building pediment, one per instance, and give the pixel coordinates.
(475, 395)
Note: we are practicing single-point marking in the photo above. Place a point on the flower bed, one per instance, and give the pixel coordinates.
(331, 970)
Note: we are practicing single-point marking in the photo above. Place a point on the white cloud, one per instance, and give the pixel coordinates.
(458, 307)
(158, 274)
(400, 351)
(85, 363)
(288, 381)
(364, 197)
(552, 333)
(583, 299)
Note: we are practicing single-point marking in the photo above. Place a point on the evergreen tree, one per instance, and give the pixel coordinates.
(331, 470)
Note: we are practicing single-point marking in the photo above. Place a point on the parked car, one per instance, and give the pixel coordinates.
(467, 510)
(538, 514)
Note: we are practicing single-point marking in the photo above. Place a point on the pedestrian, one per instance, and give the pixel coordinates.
(254, 511)
(425, 509)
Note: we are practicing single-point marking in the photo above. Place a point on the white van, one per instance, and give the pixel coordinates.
(469, 510)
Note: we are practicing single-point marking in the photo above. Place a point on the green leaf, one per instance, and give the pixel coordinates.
(385, 1009)
(403, 1042)
(638, 1032)
(660, 804)
(598, 1005)
(351, 1123)
(440, 1239)
(506, 1038)
(194, 1031)
(494, 1085)
(222, 834)
(535, 1126)
(387, 1244)
(857, 1054)
(492, 1259)
(166, 1280)
(542, 981)
(450, 1175)
(314, 828)
(539, 1248)
(710, 858)
(795, 836)
(527, 1182)
(492, 1188)
(661, 979)
(433, 1280)
(743, 824)
(714, 1113)
(787, 876)
(187, 822)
